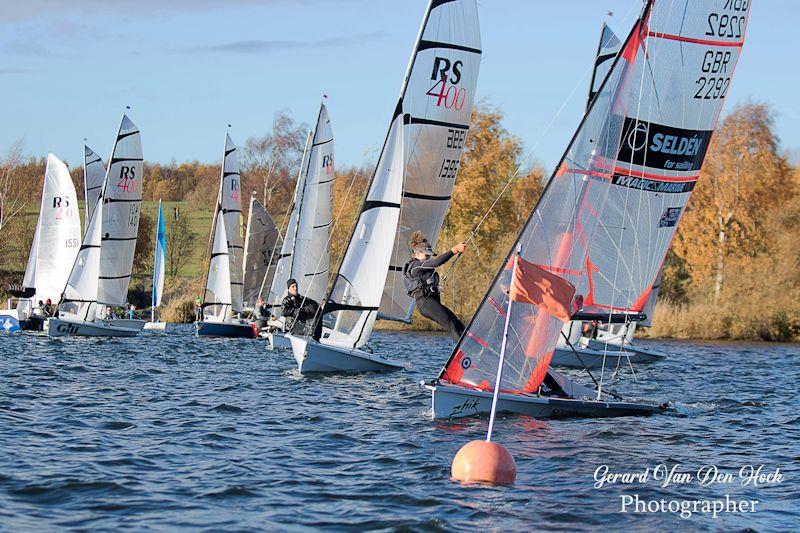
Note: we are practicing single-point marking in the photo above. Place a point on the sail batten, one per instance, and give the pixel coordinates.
(597, 226)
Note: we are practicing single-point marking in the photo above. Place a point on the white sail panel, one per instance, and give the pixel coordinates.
(284, 265)
(121, 209)
(217, 300)
(436, 100)
(261, 246)
(352, 306)
(79, 301)
(311, 257)
(57, 238)
(231, 204)
(94, 175)
(655, 94)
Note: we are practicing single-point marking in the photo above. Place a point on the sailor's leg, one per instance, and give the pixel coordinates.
(432, 308)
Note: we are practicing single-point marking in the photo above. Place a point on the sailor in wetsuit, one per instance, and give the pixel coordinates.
(422, 282)
(300, 313)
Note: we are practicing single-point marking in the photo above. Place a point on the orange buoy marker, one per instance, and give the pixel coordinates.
(484, 461)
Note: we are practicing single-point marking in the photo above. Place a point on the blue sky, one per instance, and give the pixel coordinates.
(189, 67)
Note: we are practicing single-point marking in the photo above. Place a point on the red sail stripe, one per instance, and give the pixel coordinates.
(693, 40)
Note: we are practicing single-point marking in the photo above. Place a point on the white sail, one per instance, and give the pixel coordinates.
(436, 103)
(311, 258)
(231, 205)
(121, 209)
(283, 269)
(352, 307)
(94, 175)
(607, 50)
(57, 238)
(261, 247)
(79, 301)
(217, 301)
(159, 258)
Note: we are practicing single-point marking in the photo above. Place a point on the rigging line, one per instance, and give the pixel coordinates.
(585, 367)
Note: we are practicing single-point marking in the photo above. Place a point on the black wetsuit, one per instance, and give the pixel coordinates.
(300, 314)
(426, 293)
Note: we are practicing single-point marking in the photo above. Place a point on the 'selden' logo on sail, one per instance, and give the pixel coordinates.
(662, 147)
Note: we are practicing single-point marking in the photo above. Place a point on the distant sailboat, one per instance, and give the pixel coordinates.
(623, 183)
(56, 242)
(410, 190)
(159, 265)
(595, 344)
(262, 243)
(305, 254)
(102, 269)
(223, 292)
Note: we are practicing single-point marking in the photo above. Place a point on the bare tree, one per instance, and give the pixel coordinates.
(12, 201)
(275, 157)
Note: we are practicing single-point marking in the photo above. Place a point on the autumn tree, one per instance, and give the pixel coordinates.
(743, 175)
(143, 255)
(180, 242)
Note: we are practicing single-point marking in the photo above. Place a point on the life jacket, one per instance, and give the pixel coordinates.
(423, 285)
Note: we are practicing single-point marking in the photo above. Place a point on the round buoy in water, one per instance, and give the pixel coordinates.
(480, 461)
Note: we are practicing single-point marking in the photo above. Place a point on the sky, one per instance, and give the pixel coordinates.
(187, 68)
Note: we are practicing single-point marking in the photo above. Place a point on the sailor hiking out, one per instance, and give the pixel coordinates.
(300, 313)
(422, 282)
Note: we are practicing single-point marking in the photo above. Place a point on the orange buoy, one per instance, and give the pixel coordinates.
(480, 461)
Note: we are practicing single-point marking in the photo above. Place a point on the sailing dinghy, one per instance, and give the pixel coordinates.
(607, 344)
(56, 241)
(159, 264)
(624, 180)
(410, 190)
(305, 254)
(223, 292)
(101, 271)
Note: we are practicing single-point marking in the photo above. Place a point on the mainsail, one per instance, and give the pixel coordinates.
(262, 241)
(623, 181)
(122, 196)
(230, 203)
(94, 175)
(284, 265)
(311, 257)
(435, 105)
(217, 300)
(57, 238)
(414, 174)
(159, 258)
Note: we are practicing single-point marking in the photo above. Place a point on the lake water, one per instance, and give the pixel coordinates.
(170, 431)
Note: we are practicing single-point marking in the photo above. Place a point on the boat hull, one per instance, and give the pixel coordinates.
(155, 326)
(653, 355)
(128, 323)
(277, 341)
(452, 401)
(9, 321)
(314, 357)
(592, 359)
(57, 327)
(222, 329)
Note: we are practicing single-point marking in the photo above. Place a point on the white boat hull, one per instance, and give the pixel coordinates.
(586, 357)
(56, 327)
(451, 401)
(312, 356)
(127, 323)
(655, 355)
(277, 340)
(155, 326)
